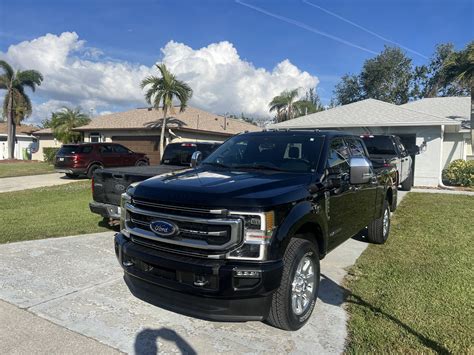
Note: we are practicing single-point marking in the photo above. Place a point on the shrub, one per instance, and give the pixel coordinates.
(459, 172)
(49, 154)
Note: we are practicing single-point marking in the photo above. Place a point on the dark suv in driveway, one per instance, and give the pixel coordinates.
(85, 158)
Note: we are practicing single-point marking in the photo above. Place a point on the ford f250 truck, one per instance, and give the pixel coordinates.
(241, 235)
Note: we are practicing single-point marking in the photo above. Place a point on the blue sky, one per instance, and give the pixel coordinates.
(135, 31)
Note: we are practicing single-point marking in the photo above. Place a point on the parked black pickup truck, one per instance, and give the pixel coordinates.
(385, 150)
(109, 184)
(240, 236)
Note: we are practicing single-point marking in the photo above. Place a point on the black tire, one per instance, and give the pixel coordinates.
(72, 176)
(281, 311)
(92, 168)
(141, 163)
(375, 229)
(406, 185)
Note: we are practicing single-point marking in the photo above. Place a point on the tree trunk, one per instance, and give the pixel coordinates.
(162, 135)
(10, 126)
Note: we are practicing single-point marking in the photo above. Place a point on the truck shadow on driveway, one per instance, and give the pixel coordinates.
(334, 294)
(146, 341)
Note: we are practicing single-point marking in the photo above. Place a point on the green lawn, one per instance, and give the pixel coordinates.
(24, 168)
(415, 293)
(47, 212)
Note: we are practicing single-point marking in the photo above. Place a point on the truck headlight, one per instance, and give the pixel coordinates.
(258, 231)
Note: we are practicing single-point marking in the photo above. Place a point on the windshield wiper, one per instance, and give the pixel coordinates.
(216, 164)
(258, 166)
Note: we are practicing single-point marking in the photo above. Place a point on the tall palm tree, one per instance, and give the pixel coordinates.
(162, 91)
(16, 103)
(286, 102)
(287, 107)
(63, 121)
(460, 67)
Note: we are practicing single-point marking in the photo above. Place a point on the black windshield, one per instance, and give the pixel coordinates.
(379, 145)
(290, 153)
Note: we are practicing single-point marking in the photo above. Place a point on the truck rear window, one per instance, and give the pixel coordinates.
(379, 145)
(74, 149)
(180, 153)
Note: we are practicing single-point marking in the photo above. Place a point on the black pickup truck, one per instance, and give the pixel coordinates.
(109, 184)
(385, 150)
(240, 236)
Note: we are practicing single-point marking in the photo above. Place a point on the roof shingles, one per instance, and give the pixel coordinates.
(366, 113)
(147, 118)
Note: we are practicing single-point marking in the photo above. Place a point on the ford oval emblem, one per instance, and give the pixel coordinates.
(164, 228)
(119, 187)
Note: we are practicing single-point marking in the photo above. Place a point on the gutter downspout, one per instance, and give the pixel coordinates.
(440, 178)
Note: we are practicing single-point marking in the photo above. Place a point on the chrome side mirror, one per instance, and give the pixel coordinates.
(196, 159)
(361, 170)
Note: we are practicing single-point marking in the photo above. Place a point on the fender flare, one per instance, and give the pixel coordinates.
(301, 214)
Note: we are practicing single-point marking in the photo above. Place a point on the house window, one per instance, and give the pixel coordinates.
(95, 137)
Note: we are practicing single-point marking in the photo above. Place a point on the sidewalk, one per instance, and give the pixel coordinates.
(440, 191)
(32, 181)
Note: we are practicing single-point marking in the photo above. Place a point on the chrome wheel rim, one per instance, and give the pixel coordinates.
(302, 287)
(386, 221)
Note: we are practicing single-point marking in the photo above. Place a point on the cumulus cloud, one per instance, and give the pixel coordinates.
(223, 82)
(77, 75)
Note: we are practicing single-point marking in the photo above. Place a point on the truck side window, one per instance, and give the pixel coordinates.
(338, 157)
(355, 147)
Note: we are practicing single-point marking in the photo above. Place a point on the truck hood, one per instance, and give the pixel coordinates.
(220, 188)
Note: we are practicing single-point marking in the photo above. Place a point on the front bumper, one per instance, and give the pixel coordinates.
(105, 210)
(204, 288)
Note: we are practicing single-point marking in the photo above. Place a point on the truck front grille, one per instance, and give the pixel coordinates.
(214, 233)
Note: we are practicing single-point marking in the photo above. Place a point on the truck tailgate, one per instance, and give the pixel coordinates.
(109, 184)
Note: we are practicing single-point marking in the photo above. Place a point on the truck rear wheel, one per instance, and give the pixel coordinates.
(379, 229)
(407, 183)
(293, 302)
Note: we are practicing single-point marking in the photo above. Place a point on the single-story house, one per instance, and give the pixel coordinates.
(437, 125)
(25, 141)
(45, 140)
(140, 129)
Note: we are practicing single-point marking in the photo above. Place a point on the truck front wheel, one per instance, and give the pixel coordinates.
(293, 302)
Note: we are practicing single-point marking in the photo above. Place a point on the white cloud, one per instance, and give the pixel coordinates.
(77, 75)
(223, 82)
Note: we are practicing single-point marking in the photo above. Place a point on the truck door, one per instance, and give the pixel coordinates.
(364, 194)
(405, 160)
(339, 198)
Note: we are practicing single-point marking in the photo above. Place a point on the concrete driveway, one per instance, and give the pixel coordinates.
(33, 181)
(76, 283)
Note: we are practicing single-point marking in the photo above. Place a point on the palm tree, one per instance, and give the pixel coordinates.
(62, 123)
(287, 107)
(460, 67)
(284, 104)
(16, 103)
(162, 91)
